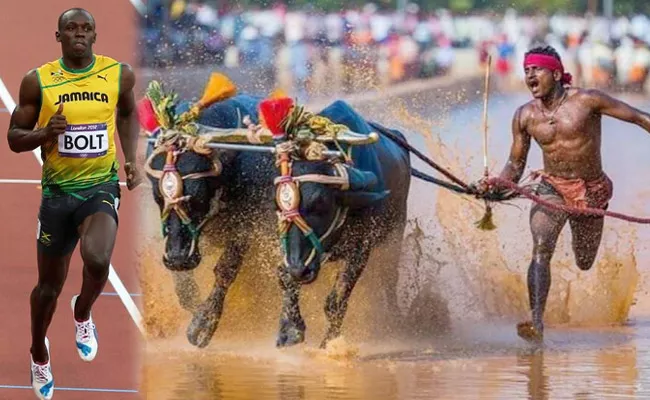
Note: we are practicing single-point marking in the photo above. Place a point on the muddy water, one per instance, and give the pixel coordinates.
(577, 364)
(461, 291)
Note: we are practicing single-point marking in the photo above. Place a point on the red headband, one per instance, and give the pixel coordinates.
(548, 62)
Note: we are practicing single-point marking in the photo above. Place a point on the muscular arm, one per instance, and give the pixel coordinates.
(607, 105)
(22, 136)
(514, 168)
(127, 120)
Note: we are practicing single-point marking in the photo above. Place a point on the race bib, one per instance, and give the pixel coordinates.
(84, 141)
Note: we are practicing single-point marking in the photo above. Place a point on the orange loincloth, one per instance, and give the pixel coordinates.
(580, 194)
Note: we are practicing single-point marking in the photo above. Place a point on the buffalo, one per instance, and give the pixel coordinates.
(228, 188)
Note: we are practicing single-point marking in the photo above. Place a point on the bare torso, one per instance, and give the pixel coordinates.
(569, 137)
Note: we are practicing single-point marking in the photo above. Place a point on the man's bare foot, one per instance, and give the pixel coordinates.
(528, 332)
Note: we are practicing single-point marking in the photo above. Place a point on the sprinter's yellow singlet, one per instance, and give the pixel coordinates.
(85, 155)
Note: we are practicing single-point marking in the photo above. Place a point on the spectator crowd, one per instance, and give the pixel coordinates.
(305, 49)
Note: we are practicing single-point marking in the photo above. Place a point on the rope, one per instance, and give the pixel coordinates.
(426, 159)
(425, 177)
(463, 188)
(564, 208)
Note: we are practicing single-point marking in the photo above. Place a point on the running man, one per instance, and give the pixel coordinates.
(73, 102)
(566, 124)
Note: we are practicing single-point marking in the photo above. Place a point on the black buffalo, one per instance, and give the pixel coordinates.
(237, 198)
(375, 211)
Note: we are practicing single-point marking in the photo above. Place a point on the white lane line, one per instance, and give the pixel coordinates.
(115, 280)
(73, 389)
(140, 7)
(110, 294)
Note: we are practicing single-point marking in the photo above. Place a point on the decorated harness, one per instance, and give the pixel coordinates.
(177, 133)
(288, 200)
(294, 131)
(171, 186)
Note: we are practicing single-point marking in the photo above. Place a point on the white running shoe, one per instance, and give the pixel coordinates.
(86, 336)
(42, 379)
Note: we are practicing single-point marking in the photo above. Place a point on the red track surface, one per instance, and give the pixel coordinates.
(26, 41)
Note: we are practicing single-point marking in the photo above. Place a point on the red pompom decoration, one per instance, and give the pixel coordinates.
(273, 111)
(147, 116)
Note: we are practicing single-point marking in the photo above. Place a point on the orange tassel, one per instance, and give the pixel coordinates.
(218, 88)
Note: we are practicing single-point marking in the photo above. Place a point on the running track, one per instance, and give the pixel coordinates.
(26, 41)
